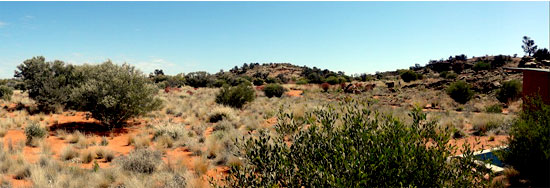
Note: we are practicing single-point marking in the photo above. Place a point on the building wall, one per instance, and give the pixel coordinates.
(537, 82)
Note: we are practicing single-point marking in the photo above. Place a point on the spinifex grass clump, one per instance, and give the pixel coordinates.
(350, 146)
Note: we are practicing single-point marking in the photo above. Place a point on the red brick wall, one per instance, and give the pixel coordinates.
(537, 82)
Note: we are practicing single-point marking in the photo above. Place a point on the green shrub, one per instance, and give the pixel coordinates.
(529, 143)
(5, 92)
(302, 81)
(333, 80)
(272, 90)
(34, 131)
(140, 161)
(367, 150)
(510, 91)
(271, 80)
(199, 79)
(258, 82)
(114, 93)
(235, 96)
(497, 108)
(409, 75)
(482, 65)
(448, 75)
(460, 92)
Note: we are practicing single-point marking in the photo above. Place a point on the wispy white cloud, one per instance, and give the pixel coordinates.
(3, 24)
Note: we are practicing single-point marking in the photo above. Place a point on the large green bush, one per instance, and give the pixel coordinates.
(460, 92)
(115, 93)
(48, 83)
(5, 92)
(409, 75)
(199, 79)
(529, 144)
(366, 150)
(272, 90)
(236, 96)
(510, 91)
(482, 65)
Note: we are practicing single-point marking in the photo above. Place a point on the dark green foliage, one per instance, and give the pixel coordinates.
(439, 66)
(482, 65)
(140, 161)
(258, 82)
(460, 91)
(409, 75)
(198, 79)
(33, 131)
(236, 96)
(114, 93)
(271, 80)
(542, 54)
(367, 150)
(499, 61)
(510, 91)
(48, 83)
(5, 92)
(333, 80)
(448, 75)
(272, 90)
(529, 144)
(497, 108)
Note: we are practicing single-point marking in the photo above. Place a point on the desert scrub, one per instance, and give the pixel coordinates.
(115, 93)
(274, 90)
(496, 108)
(235, 96)
(68, 153)
(34, 132)
(5, 92)
(174, 131)
(460, 91)
(220, 113)
(367, 149)
(140, 161)
(409, 75)
(510, 91)
(529, 144)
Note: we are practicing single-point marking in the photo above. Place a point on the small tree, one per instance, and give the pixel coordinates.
(528, 46)
(460, 92)
(48, 83)
(235, 96)
(274, 90)
(114, 94)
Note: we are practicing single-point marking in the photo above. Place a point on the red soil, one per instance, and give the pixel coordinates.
(484, 142)
(294, 93)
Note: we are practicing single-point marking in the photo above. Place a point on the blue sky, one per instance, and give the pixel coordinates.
(353, 37)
